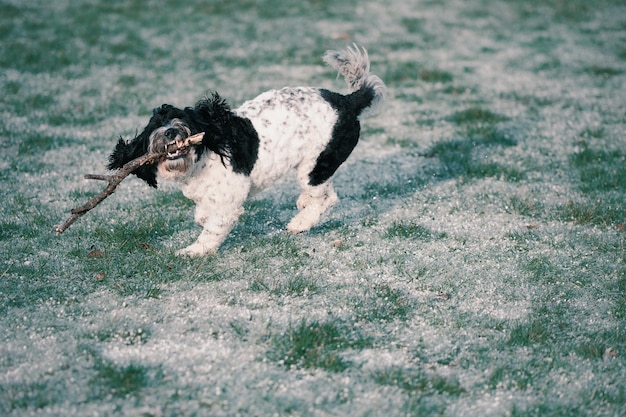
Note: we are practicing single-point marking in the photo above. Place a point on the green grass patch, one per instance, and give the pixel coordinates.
(610, 210)
(385, 190)
(601, 345)
(560, 11)
(512, 379)
(418, 382)
(530, 206)
(402, 143)
(24, 217)
(413, 25)
(542, 270)
(476, 115)
(313, 344)
(618, 295)
(33, 396)
(120, 381)
(37, 144)
(529, 333)
(435, 76)
(600, 170)
(523, 240)
(26, 285)
(298, 284)
(411, 230)
(479, 131)
(456, 90)
(402, 72)
(383, 303)
(604, 72)
(128, 337)
(458, 160)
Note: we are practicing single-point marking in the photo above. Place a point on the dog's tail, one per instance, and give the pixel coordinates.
(354, 64)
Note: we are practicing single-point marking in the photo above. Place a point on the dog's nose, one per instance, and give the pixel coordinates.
(171, 133)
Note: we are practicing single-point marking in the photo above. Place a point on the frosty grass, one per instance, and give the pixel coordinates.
(475, 265)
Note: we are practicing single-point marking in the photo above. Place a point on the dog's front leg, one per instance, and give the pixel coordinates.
(216, 224)
(217, 211)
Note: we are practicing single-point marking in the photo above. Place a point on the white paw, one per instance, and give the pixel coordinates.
(196, 249)
(304, 221)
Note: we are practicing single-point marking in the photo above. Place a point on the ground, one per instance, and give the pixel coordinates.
(474, 266)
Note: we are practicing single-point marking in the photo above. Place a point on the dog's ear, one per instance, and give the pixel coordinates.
(212, 115)
(125, 152)
(232, 137)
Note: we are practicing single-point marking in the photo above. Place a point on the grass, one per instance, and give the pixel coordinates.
(478, 128)
(413, 231)
(120, 381)
(600, 170)
(383, 303)
(315, 345)
(474, 266)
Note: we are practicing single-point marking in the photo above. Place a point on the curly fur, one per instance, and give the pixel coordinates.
(247, 149)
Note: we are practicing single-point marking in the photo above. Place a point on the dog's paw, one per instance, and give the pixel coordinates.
(196, 249)
(303, 221)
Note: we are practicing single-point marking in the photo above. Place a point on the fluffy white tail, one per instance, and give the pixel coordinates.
(354, 64)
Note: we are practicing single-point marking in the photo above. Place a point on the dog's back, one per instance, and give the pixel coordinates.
(311, 128)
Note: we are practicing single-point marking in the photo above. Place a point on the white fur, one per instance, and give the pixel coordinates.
(288, 139)
(294, 126)
(354, 64)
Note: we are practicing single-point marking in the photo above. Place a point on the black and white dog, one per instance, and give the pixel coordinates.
(247, 149)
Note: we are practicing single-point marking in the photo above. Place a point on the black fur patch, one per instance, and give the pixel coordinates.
(345, 134)
(228, 135)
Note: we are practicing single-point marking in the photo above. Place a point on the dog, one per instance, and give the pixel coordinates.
(311, 130)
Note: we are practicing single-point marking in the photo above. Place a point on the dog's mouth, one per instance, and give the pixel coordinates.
(171, 156)
(174, 151)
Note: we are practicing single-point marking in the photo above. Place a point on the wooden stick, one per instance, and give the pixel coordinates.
(115, 179)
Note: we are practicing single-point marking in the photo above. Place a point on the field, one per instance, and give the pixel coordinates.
(474, 266)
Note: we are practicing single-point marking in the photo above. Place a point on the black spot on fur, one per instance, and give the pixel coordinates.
(345, 132)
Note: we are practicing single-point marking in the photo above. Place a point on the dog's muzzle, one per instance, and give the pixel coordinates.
(174, 150)
(171, 138)
(174, 145)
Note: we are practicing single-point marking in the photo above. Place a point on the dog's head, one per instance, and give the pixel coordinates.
(174, 130)
(168, 125)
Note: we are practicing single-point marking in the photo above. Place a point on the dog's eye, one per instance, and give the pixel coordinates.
(171, 133)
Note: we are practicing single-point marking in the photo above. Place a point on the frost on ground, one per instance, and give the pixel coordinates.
(474, 265)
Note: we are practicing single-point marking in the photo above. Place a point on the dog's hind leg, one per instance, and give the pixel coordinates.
(313, 202)
(316, 205)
